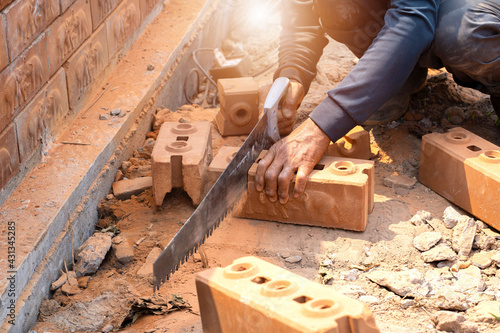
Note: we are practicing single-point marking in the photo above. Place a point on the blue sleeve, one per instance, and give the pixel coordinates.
(408, 30)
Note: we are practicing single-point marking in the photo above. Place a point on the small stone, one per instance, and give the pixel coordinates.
(108, 328)
(115, 112)
(146, 271)
(70, 287)
(124, 189)
(59, 282)
(483, 310)
(351, 290)
(150, 68)
(118, 176)
(448, 321)
(351, 275)
(391, 297)
(463, 236)
(449, 299)
(491, 233)
(439, 253)
(495, 258)
(426, 123)
(293, 259)
(451, 217)
(83, 282)
(469, 280)
(420, 218)
(285, 254)
(122, 114)
(406, 303)
(124, 252)
(427, 240)
(370, 300)
(110, 197)
(400, 181)
(455, 115)
(90, 254)
(125, 165)
(103, 116)
(482, 259)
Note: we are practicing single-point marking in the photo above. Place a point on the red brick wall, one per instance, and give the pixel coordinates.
(51, 52)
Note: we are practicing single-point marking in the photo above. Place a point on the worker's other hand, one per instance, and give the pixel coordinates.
(299, 152)
(287, 114)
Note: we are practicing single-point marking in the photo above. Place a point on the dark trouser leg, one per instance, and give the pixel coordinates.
(467, 41)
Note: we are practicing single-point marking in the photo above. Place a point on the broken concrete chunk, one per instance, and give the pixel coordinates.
(400, 181)
(484, 242)
(124, 189)
(482, 259)
(469, 280)
(495, 258)
(483, 311)
(58, 283)
(420, 217)
(70, 287)
(463, 236)
(449, 299)
(124, 252)
(448, 321)
(451, 217)
(90, 254)
(439, 253)
(293, 259)
(146, 271)
(427, 240)
(402, 283)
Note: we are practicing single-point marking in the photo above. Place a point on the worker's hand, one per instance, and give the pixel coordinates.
(287, 114)
(299, 152)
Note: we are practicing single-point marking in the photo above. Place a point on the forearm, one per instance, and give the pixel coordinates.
(301, 42)
(382, 70)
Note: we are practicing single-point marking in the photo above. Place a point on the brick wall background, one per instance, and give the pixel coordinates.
(51, 53)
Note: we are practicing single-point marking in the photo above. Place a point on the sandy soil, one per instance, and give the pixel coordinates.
(387, 243)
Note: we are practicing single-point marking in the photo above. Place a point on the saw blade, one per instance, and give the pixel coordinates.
(224, 193)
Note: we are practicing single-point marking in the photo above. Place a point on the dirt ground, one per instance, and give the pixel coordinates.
(333, 257)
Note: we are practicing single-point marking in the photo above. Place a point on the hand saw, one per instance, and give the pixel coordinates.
(226, 191)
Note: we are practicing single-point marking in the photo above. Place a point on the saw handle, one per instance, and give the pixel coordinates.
(276, 94)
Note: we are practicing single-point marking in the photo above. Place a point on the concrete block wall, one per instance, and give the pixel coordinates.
(52, 54)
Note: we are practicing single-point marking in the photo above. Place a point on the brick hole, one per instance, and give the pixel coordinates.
(184, 126)
(241, 113)
(182, 138)
(179, 144)
(302, 299)
(474, 148)
(319, 167)
(260, 280)
(241, 267)
(493, 154)
(279, 285)
(322, 304)
(459, 136)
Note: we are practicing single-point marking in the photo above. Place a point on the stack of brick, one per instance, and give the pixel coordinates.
(52, 52)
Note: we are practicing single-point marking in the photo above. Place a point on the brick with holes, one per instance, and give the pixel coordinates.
(252, 295)
(355, 144)
(339, 194)
(220, 162)
(239, 106)
(180, 159)
(465, 169)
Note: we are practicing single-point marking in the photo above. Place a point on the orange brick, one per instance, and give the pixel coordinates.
(31, 126)
(26, 19)
(4, 3)
(122, 23)
(101, 9)
(333, 189)
(180, 159)
(56, 102)
(239, 106)
(23, 79)
(465, 169)
(85, 65)
(4, 59)
(355, 144)
(68, 32)
(220, 162)
(9, 156)
(252, 295)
